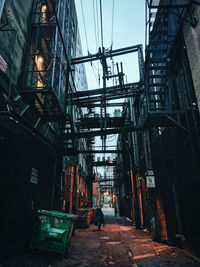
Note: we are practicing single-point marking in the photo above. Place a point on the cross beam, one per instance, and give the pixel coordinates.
(104, 163)
(114, 151)
(87, 134)
(110, 89)
(99, 105)
(107, 97)
(106, 180)
(105, 54)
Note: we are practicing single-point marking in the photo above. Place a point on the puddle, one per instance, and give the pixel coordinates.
(114, 243)
(111, 262)
(126, 228)
(104, 237)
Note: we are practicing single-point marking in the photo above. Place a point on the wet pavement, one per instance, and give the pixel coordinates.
(117, 244)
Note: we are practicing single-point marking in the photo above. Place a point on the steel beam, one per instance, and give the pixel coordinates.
(101, 151)
(87, 134)
(109, 131)
(128, 86)
(104, 163)
(99, 105)
(107, 180)
(107, 97)
(106, 54)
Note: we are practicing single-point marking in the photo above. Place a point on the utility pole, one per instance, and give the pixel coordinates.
(103, 101)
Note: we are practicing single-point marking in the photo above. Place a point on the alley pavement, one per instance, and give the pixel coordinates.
(117, 244)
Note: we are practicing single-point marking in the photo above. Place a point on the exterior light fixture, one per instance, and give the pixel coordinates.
(40, 59)
(44, 8)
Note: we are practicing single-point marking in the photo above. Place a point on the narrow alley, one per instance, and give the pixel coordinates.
(117, 244)
(99, 108)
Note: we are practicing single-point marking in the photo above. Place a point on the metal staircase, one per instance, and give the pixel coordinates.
(160, 37)
(157, 63)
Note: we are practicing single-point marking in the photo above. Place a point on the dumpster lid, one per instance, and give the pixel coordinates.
(68, 216)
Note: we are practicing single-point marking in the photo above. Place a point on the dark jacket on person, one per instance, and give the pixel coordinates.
(100, 216)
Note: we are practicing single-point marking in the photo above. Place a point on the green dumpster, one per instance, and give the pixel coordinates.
(53, 232)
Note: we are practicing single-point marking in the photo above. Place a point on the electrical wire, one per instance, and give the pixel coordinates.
(101, 20)
(94, 73)
(84, 24)
(98, 38)
(97, 18)
(95, 30)
(113, 8)
(87, 40)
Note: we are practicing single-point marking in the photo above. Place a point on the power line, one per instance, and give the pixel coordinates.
(112, 23)
(95, 30)
(87, 39)
(96, 36)
(84, 25)
(101, 23)
(97, 17)
(94, 74)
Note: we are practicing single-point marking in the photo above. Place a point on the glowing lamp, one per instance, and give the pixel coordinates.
(44, 8)
(40, 59)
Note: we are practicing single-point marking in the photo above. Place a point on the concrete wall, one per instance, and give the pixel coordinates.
(18, 15)
(192, 40)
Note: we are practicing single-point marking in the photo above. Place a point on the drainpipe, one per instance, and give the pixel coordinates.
(138, 181)
(152, 191)
(71, 188)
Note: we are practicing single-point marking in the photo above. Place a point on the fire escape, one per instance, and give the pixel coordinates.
(39, 108)
(159, 40)
(30, 111)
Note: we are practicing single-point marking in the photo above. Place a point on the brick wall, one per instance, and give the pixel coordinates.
(192, 40)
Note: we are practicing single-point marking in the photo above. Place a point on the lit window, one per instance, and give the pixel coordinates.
(44, 8)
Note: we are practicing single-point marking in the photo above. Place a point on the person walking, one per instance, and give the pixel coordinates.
(100, 218)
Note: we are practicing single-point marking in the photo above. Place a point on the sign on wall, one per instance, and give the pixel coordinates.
(150, 181)
(150, 172)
